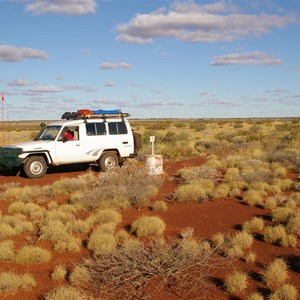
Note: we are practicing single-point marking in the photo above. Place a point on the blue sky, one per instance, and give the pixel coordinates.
(152, 58)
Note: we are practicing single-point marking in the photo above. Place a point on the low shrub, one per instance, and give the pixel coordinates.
(148, 225)
(120, 188)
(137, 265)
(276, 273)
(236, 282)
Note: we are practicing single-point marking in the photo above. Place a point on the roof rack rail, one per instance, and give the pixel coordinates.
(94, 114)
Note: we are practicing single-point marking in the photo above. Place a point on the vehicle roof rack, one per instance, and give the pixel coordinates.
(94, 114)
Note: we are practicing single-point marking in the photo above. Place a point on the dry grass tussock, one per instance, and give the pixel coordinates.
(276, 274)
(128, 272)
(11, 282)
(197, 173)
(148, 225)
(120, 188)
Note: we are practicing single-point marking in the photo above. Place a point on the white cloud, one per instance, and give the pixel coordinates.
(21, 82)
(68, 7)
(106, 101)
(110, 66)
(46, 89)
(14, 54)
(109, 83)
(195, 22)
(251, 58)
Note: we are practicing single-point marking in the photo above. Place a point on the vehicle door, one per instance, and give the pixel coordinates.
(119, 137)
(95, 140)
(69, 151)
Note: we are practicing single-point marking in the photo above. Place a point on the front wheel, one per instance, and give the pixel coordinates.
(35, 167)
(108, 161)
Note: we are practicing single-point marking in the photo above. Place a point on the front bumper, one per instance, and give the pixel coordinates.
(9, 157)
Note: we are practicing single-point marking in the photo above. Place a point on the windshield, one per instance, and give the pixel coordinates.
(49, 133)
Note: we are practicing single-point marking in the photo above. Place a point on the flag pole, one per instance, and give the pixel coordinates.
(2, 120)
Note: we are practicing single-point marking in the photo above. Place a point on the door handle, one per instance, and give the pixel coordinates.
(125, 143)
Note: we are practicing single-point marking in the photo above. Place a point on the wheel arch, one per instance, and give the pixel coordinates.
(45, 155)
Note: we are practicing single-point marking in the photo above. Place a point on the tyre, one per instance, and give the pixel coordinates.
(35, 167)
(108, 161)
(138, 141)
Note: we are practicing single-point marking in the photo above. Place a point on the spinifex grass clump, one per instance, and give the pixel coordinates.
(286, 292)
(65, 292)
(59, 273)
(32, 254)
(195, 191)
(101, 242)
(7, 251)
(14, 225)
(276, 273)
(10, 282)
(148, 225)
(277, 235)
(159, 205)
(236, 282)
(253, 197)
(25, 194)
(253, 225)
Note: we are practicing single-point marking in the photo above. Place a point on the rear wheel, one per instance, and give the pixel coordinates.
(35, 167)
(108, 161)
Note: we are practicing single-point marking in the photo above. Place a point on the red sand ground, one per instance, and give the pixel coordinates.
(220, 215)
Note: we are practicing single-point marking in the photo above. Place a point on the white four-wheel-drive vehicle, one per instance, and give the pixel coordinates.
(102, 137)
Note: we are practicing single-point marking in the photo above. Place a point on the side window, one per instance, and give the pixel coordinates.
(90, 129)
(117, 128)
(95, 129)
(122, 129)
(101, 129)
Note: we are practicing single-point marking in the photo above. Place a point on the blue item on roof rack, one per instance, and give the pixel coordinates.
(107, 111)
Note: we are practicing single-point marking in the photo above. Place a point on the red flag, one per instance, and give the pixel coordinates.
(2, 97)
